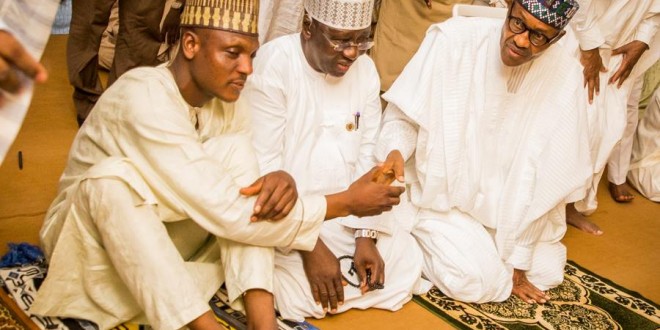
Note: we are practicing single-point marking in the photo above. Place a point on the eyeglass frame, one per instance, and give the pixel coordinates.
(340, 47)
(526, 28)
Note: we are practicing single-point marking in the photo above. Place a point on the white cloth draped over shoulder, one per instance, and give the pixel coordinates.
(507, 160)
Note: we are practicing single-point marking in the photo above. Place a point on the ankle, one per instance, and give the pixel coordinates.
(260, 309)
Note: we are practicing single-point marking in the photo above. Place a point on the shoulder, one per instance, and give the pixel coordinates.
(277, 52)
(464, 29)
(141, 93)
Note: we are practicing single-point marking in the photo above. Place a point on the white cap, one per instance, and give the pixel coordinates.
(342, 14)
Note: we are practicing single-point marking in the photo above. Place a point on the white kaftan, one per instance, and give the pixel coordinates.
(140, 201)
(301, 124)
(645, 167)
(492, 169)
(609, 24)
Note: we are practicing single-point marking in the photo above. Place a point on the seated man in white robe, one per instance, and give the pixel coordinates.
(498, 143)
(150, 218)
(314, 99)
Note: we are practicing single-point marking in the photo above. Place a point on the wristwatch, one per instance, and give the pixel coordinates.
(370, 233)
(177, 5)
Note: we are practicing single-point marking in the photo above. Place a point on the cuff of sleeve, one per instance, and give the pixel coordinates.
(381, 223)
(645, 33)
(521, 258)
(310, 211)
(590, 39)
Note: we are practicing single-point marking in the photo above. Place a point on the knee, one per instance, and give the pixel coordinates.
(480, 287)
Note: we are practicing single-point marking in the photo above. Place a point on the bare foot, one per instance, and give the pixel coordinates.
(620, 192)
(525, 290)
(579, 221)
(260, 310)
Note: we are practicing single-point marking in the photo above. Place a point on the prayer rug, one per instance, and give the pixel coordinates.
(22, 282)
(583, 301)
(7, 320)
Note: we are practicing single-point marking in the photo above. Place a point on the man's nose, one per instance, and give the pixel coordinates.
(522, 39)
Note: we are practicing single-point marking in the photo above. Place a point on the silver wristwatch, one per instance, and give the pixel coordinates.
(370, 233)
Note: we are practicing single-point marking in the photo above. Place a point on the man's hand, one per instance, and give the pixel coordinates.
(593, 66)
(631, 52)
(525, 290)
(14, 62)
(394, 164)
(369, 198)
(169, 33)
(277, 196)
(324, 276)
(368, 259)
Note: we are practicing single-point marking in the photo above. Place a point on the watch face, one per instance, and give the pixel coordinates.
(177, 5)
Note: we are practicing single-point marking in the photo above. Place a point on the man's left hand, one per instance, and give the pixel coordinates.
(631, 52)
(277, 196)
(368, 259)
(593, 66)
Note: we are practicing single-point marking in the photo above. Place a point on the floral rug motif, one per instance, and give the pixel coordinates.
(583, 301)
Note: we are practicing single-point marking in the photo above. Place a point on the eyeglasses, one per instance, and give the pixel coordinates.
(517, 26)
(340, 46)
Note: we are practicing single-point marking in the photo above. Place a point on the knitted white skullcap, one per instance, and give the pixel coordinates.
(342, 14)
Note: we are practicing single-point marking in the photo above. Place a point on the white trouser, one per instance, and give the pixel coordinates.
(116, 259)
(403, 268)
(619, 161)
(461, 259)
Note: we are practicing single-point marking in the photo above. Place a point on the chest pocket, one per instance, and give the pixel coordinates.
(348, 136)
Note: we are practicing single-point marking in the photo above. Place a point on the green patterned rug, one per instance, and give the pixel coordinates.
(583, 301)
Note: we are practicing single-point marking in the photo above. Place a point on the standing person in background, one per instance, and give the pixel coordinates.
(618, 43)
(644, 172)
(138, 42)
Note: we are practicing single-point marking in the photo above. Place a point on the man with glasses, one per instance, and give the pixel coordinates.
(489, 112)
(315, 106)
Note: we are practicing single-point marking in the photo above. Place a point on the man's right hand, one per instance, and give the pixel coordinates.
(593, 66)
(14, 60)
(324, 276)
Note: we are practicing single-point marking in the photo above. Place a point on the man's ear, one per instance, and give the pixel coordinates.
(306, 26)
(190, 43)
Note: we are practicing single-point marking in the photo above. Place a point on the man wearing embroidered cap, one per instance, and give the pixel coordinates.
(315, 107)
(499, 138)
(150, 218)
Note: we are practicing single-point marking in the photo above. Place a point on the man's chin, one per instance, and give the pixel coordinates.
(229, 96)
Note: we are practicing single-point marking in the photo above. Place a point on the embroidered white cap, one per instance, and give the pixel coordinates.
(342, 14)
